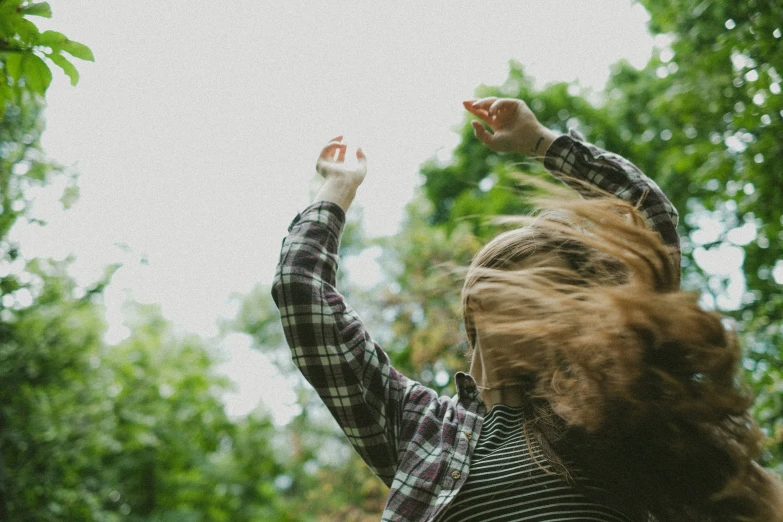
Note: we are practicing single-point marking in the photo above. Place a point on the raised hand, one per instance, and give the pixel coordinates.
(514, 126)
(327, 166)
(340, 180)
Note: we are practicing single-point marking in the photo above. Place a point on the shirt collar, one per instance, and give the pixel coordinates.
(466, 387)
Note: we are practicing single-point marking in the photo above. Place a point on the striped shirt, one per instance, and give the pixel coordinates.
(419, 444)
(508, 481)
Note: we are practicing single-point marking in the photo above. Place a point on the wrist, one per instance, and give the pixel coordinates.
(538, 142)
(337, 190)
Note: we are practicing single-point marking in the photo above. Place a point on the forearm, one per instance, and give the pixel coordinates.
(329, 343)
(582, 165)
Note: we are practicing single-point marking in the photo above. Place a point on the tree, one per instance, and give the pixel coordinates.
(32, 313)
(720, 94)
(91, 431)
(702, 118)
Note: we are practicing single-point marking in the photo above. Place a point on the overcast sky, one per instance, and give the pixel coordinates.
(197, 128)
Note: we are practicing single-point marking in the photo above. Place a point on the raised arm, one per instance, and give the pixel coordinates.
(328, 340)
(569, 158)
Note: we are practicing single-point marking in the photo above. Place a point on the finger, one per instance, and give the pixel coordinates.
(484, 103)
(481, 133)
(361, 159)
(333, 148)
(338, 138)
(505, 108)
(341, 153)
(484, 115)
(501, 108)
(328, 151)
(481, 113)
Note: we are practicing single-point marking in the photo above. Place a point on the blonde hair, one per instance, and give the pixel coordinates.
(626, 377)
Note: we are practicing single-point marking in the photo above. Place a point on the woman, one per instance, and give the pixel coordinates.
(597, 391)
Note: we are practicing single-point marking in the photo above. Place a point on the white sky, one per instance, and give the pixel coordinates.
(197, 128)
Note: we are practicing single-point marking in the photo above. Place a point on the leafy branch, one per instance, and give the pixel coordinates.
(24, 51)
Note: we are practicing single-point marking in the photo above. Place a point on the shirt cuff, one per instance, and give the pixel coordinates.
(560, 149)
(325, 213)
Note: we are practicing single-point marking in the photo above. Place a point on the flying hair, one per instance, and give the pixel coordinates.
(626, 378)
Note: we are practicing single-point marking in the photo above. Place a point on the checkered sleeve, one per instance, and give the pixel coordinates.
(329, 343)
(570, 158)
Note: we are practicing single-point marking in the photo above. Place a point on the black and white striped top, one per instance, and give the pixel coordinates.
(506, 483)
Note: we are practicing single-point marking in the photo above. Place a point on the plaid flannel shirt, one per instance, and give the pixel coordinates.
(419, 444)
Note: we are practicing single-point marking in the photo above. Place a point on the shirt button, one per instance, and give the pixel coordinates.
(468, 435)
(455, 475)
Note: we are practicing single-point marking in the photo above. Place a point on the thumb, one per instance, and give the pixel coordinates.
(482, 134)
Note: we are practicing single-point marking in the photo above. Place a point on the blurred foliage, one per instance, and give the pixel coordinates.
(91, 431)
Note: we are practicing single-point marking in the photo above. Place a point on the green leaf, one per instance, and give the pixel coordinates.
(67, 67)
(27, 31)
(78, 50)
(42, 9)
(6, 94)
(53, 39)
(9, 17)
(13, 65)
(37, 73)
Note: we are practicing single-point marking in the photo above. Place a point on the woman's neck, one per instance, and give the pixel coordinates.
(489, 383)
(510, 395)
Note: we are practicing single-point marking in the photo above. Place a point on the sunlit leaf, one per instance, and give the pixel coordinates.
(13, 65)
(39, 9)
(37, 73)
(27, 31)
(78, 50)
(9, 16)
(52, 39)
(67, 67)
